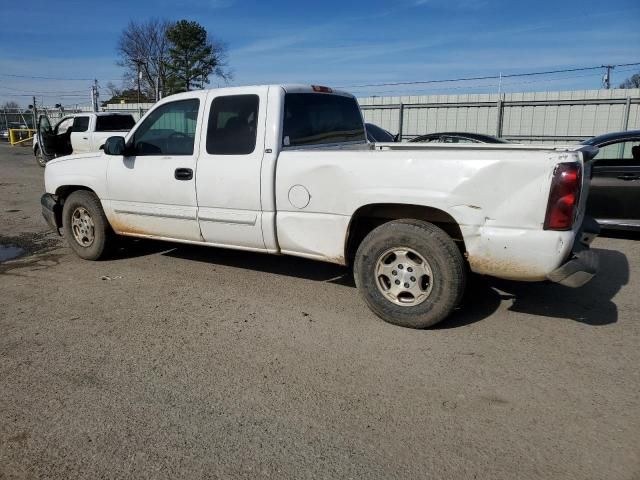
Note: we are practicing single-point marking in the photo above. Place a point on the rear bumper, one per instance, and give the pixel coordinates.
(582, 264)
(51, 211)
(619, 224)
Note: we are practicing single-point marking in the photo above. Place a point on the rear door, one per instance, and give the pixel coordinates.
(615, 188)
(80, 134)
(151, 190)
(228, 177)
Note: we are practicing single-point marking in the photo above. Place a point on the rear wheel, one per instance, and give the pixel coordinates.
(40, 158)
(85, 225)
(410, 273)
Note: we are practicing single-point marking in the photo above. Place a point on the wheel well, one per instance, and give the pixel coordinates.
(62, 193)
(368, 217)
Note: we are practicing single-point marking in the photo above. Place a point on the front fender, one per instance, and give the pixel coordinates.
(86, 170)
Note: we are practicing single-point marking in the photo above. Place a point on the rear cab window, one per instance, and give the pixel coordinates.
(114, 123)
(321, 119)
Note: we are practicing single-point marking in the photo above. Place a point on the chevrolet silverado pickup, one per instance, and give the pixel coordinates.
(78, 133)
(287, 170)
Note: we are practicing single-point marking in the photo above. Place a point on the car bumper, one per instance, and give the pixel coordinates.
(582, 264)
(51, 211)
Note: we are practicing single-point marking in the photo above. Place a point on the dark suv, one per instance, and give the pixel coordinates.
(614, 198)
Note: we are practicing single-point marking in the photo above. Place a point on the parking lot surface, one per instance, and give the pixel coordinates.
(173, 361)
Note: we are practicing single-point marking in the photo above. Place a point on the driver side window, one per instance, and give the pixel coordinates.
(169, 130)
(64, 126)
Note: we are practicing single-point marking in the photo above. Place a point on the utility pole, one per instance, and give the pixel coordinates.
(35, 113)
(606, 80)
(94, 95)
(138, 62)
(158, 75)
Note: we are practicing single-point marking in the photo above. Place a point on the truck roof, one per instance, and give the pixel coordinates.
(287, 87)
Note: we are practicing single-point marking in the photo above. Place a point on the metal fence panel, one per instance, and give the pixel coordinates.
(547, 117)
(540, 117)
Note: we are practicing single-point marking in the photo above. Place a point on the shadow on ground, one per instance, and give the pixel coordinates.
(591, 304)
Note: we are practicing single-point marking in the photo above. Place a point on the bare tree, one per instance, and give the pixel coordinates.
(10, 105)
(143, 47)
(632, 82)
(113, 90)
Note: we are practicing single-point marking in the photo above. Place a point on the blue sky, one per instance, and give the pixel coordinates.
(338, 43)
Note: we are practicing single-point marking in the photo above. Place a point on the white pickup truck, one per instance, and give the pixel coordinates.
(78, 133)
(287, 169)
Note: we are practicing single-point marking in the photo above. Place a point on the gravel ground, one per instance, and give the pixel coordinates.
(171, 361)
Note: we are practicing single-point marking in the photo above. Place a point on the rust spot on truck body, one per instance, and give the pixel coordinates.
(505, 268)
(126, 228)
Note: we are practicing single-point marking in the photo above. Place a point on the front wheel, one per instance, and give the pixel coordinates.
(410, 273)
(40, 158)
(85, 225)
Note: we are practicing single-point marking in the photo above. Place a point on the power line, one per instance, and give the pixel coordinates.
(13, 75)
(38, 92)
(486, 77)
(43, 95)
(476, 87)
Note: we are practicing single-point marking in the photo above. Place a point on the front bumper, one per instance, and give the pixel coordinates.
(582, 264)
(51, 211)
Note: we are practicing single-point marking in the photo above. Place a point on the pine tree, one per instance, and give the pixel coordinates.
(193, 57)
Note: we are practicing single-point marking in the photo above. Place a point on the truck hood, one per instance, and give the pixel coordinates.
(75, 157)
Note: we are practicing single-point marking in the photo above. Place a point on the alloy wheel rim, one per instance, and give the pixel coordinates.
(404, 276)
(82, 227)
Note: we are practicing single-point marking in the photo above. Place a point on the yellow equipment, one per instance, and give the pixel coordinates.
(20, 135)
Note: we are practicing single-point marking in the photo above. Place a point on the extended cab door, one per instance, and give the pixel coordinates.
(152, 189)
(228, 176)
(614, 195)
(80, 134)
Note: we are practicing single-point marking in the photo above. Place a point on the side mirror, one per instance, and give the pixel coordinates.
(115, 146)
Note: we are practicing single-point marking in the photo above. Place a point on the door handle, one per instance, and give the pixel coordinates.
(183, 174)
(629, 176)
(85, 138)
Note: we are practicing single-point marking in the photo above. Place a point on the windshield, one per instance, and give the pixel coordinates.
(318, 118)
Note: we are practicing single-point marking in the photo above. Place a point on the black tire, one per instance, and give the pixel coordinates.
(40, 158)
(103, 236)
(440, 252)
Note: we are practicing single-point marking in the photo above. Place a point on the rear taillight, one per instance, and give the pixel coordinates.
(563, 197)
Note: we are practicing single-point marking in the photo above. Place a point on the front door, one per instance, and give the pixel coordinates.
(54, 142)
(228, 180)
(615, 188)
(152, 189)
(46, 138)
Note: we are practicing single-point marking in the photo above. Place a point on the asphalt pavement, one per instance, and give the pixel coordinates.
(173, 361)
